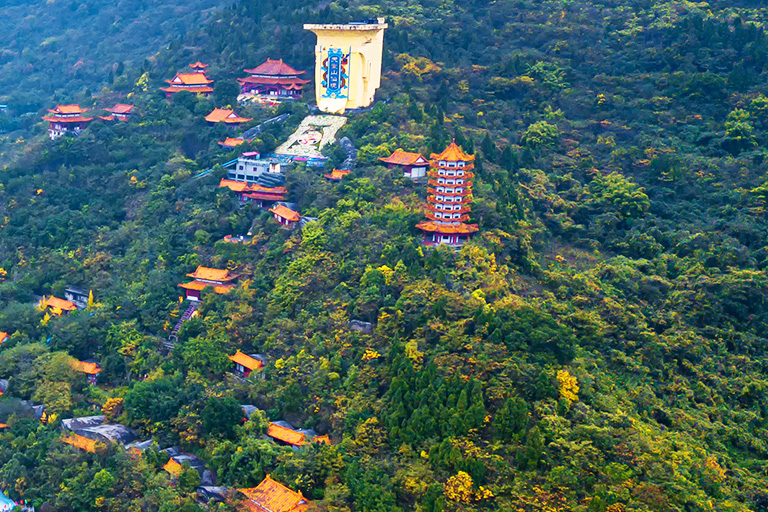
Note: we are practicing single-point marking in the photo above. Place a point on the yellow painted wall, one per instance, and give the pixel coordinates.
(365, 44)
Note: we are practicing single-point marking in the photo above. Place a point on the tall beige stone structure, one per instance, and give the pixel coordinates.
(347, 64)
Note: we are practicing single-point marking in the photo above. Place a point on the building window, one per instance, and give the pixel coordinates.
(461, 164)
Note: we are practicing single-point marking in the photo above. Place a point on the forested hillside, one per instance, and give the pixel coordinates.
(599, 346)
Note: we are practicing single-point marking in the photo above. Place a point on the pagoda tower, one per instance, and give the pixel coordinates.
(449, 197)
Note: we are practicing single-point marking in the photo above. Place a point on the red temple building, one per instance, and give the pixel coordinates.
(198, 67)
(413, 165)
(273, 79)
(196, 82)
(120, 112)
(285, 216)
(221, 281)
(449, 197)
(226, 116)
(66, 119)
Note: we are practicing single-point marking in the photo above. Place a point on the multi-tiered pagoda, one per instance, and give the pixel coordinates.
(66, 119)
(196, 82)
(449, 198)
(273, 79)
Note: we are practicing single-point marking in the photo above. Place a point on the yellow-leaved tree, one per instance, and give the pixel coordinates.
(568, 386)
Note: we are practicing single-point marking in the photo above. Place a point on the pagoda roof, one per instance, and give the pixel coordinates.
(55, 302)
(198, 64)
(437, 227)
(75, 119)
(68, 109)
(202, 285)
(272, 496)
(231, 142)
(453, 153)
(286, 213)
(273, 80)
(213, 274)
(190, 79)
(4, 336)
(337, 174)
(274, 68)
(120, 108)
(89, 368)
(400, 157)
(110, 117)
(247, 361)
(194, 90)
(223, 115)
(241, 186)
(81, 442)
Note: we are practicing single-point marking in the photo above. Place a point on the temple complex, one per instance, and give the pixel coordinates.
(119, 112)
(221, 281)
(196, 82)
(449, 198)
(66, 119)
(272, 496)
(347, 64)
(413, 165)
(274, 80)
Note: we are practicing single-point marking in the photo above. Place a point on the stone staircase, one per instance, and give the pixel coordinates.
(186, 316)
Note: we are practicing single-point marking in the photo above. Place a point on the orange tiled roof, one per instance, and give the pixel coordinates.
(223, 115)
(55, 302)
(190, 79)
(89, 368)
(173, 468)
(246, 361)
(201, 285)
(68, 109)
(272, 496)
(4, 336)
(76, 119)
(213, 274)
(337, 174)
(198, 64)
(120, 108)
(83, 443)
(231, 142)
(286, 213)
(241, 186)
(110, 117)
(436, 227)
(400, 157)
(3, 426)
(286, 435)
(274, 68)
(193, 90)
(453, 153)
